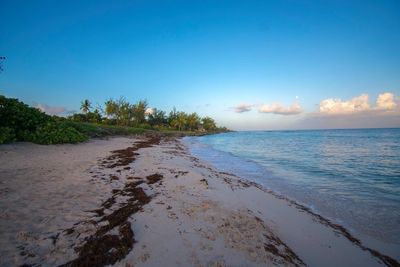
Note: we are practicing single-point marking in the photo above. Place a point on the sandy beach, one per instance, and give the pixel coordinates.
(145, 201)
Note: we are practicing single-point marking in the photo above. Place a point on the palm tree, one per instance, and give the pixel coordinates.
(180, 121)
(172, 115)
(157, 117)
(139, 111)
(110, 108)
(208, 124)
(86, 106)
(192, 121)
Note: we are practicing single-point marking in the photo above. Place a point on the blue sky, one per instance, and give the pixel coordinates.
(282, 57)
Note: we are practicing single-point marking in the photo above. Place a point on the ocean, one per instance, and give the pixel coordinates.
(350, 176)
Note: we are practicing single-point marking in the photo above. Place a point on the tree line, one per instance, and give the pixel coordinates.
(122, 113)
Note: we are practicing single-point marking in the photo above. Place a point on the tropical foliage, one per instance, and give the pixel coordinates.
(122, 113)
(19, 122)
(86, 106)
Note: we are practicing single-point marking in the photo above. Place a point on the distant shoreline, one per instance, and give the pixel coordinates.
(316, 129)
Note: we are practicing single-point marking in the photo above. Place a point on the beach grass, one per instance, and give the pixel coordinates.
(102, 130)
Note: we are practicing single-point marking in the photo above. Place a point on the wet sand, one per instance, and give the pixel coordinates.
(146, 201)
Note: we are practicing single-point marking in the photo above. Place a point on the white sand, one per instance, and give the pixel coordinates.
(44, 189)
(197, 216)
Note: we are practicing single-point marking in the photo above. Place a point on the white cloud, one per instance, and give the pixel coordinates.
(277, 108)
(358, 112)
(50, 110)
(243, 108)
(149, 111)
(355, 113)
(359, 104)
(386, 101)
(337, 106)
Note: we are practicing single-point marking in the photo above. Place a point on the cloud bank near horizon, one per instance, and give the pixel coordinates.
(274, 108)
(277, 108)
(355, 113)
(384, 102)
(330, 106)
(358, 112)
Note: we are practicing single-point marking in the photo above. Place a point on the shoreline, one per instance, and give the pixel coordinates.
(253, 171)
(389, 261)
(160, 205)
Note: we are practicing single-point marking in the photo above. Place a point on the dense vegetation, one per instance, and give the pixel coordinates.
(19, 122)
(121, 112)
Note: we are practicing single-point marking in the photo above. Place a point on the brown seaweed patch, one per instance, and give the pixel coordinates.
(109, 202)
(204, 181)
(123, 157)
(114, 177)
(154, 178)
(99, 212)
(178, 173)
(103, 248)
(278, 248)
(106, 249)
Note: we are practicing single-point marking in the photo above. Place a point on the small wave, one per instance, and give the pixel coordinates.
(335, 173)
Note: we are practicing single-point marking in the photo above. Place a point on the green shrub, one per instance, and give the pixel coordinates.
(145, 126)
(19, 122)
(101, 130)
(56, 133)
(89, 129)
(7, 135)
(93, 117)
(20, 117)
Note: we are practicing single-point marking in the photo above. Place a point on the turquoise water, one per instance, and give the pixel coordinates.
(349, 176)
